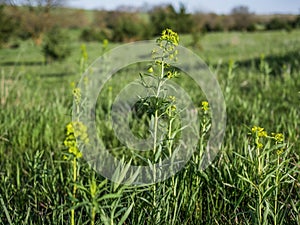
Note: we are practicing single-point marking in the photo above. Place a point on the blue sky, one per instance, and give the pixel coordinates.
(218, 6)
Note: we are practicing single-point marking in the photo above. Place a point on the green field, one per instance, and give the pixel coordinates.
(246, 184)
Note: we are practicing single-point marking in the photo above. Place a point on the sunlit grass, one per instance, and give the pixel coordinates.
(245, 184)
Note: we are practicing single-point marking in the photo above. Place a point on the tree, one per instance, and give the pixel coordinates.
(243, 10)
(7, 26)
(45, 5)
(279, 24)
(166, 16)
(56, 46)
(296, 22)
(127, 27)
(243, 18)
(163, 17)
(184, 21)
(37, 20)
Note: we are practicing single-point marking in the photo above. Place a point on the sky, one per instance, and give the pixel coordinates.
(217, 6)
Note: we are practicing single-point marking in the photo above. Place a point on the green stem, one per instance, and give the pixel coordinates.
(260, 207)
(155, 131)
(259, 169)
(276, 191)
(156, 116)
(74, 190)
(93, 216)
(170, 134)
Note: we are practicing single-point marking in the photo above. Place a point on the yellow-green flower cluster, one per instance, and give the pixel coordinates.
(172, 100)
(259, 134)
(105, 44)
(173, 107)
(162, 56)
(80, 131)
(168, 42)
(73, 85)
(172, 74)
(205, 106)
(280, 151)
(77, 95)
(75, 131)
(84, 52)
(260, 131)
(150, 70)
(169, 36)
(83, 59)
(278, 137)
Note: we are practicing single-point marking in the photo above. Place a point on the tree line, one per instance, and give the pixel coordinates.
(45, 22)
(37, 17)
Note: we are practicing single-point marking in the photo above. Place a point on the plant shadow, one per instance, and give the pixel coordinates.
(277, 62)
(27, 63)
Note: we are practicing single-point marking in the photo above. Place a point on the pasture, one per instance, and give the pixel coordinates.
(246, 184)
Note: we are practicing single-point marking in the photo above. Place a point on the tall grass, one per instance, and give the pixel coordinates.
(244, 185)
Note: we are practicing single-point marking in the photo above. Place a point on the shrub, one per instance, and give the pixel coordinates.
(296, 22)
(278, 24)
(7, 26)
(34, 24)
(91, 34)
(163, 17)
(56, 45)
(128, 27)
(243, 19)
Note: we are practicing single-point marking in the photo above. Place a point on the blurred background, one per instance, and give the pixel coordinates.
(253, 48)
(120, 21)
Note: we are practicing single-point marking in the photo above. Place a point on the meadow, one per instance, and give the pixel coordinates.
(247, 183)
